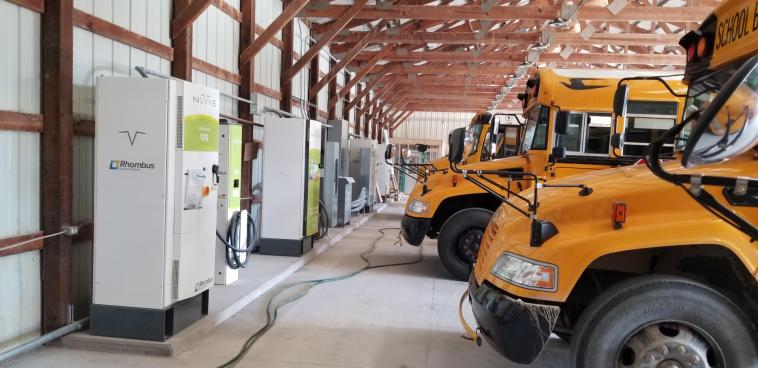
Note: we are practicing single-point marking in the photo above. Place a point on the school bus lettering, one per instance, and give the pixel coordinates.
(736, 26)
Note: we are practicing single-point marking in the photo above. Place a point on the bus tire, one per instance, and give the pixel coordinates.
(459, 240)
(651, 319)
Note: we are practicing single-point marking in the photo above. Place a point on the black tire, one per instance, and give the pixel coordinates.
(459, 240)
(646, 317)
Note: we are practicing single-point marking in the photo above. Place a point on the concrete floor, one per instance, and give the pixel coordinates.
(389, 317)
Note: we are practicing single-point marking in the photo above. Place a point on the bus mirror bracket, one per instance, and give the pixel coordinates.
(620, 99)
(562, 122)
(558, 153)
(617, 140)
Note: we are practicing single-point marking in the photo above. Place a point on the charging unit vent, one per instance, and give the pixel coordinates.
(175, 280)
(179, 122)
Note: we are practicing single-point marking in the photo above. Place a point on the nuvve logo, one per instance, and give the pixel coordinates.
(128, 165)
(204, 99)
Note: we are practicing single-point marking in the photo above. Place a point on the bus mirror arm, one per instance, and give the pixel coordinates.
(697, 182)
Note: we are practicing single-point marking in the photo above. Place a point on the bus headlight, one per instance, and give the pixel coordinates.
(526, 272)
(418, 206)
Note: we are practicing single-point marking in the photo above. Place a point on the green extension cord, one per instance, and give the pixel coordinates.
(272, 314)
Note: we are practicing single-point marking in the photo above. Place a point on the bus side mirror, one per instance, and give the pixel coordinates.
(619, 100)
(455, 145)
(388, 152)
(562, 122)
(559, 153)
(617, 140)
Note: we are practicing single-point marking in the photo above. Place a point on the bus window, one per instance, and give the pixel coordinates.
(598, 134)
(645, 121)
(573, 139)
(589, 133)
(535, 132)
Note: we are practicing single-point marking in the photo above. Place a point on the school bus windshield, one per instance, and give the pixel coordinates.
(702, 92)
(535, 132)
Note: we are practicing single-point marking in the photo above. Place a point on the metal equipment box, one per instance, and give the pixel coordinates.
(344, 199)
(363, 169)
(291, 159)
(329, 181)
(156, 151)
(229, 191)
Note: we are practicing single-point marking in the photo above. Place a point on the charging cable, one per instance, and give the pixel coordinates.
(273, 313)
(237, 257)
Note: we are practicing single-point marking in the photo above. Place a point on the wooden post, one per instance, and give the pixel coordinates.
(56, 160)
(332, 109)
(345, 108)
(181, 67)
(288, 43)
(313, 75)
(247, 85)
(357, 128)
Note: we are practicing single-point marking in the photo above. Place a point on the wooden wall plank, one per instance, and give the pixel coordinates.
(35, 245)
(19, 121)
(123, 35)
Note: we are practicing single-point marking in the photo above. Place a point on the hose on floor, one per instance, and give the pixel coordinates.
(273, 313)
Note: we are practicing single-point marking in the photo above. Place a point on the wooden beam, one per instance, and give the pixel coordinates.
(472, 69)
(11, 240)
(401, 120)
(357, 126)
(278, 24)
(33, 5)
(56, 167)
(366, 68)
(288, 42)
(181, 67)
(501, 13)
(345, 108)
(228, 9)
(109, 30)
(515, 58)
(19, 121)
(526, 38)
(345, 59)
(362, 93)
(184, 18)
(327, 37)
(216, 71)
(246, 87)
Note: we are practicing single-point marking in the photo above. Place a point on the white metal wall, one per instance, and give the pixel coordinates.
(269, 59)
(432, 125)
(20, 294)
(215, 39)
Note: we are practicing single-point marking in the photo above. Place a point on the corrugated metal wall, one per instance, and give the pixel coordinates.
(432, 125)
(20, 294)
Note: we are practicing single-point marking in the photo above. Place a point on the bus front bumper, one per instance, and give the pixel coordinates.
(414, 229)
(515, 329)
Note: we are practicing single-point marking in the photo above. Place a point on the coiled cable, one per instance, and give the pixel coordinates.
(237, 257)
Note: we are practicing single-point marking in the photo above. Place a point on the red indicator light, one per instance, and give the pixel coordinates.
(618, 214)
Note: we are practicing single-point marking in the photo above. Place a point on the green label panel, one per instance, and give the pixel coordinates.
(235, 166)
(314, 183)
(200, 133)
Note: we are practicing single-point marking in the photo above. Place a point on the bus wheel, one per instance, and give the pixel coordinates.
(459, 240)
(663, 321)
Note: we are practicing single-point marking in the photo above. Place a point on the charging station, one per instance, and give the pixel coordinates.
(291, 176)
(156, 155)
(231, 220)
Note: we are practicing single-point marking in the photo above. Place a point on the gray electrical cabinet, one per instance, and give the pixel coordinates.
(339, 132)
(362, 169)
(329, 181)
(345, 188)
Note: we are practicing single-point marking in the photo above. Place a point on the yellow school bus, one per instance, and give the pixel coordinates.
(569, 130)
(658, 266)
